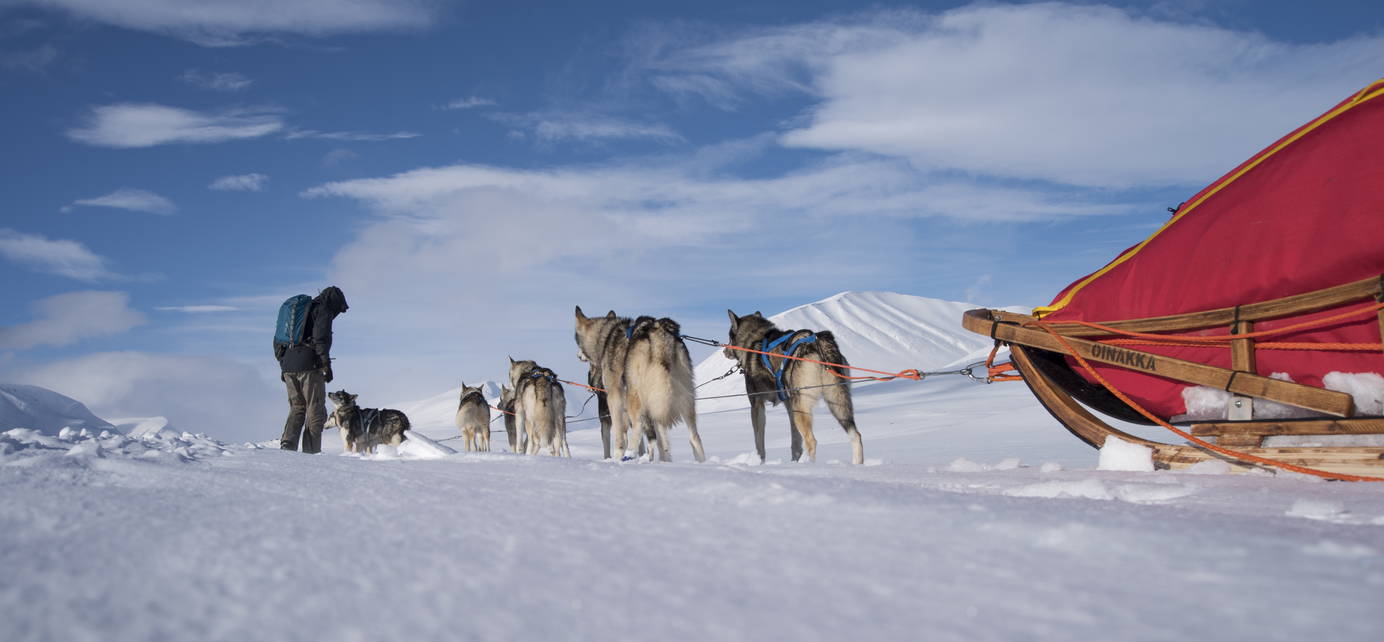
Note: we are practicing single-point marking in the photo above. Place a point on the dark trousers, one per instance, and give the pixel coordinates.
(307, 398)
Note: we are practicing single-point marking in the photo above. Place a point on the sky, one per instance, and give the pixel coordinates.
(468, 172)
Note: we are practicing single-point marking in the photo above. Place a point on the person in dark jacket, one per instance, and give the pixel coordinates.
(307, 369)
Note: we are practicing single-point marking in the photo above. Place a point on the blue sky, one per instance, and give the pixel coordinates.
(467, 173)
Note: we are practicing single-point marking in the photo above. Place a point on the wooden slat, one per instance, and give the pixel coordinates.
(1330, 402)
(1311, 427)
(1298, 304)
(1242, 350)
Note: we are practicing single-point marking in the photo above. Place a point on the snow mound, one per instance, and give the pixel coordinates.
(1118, 454)
(26, 445)
(439, 411)
(884, 331)
(43, 410)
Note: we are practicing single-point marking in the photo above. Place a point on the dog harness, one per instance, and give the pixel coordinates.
(544, 373)
(792, 347)
(367, 422)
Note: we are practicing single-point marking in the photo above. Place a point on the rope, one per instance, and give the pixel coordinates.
(1226, 338)
(573, 383)
(912, 373)
(1267, 345)
(1204, 444)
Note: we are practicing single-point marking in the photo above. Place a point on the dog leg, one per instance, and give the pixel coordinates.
(839, 403)
(800, 409)
(665, 452)
(695, 438)
(794, 436)
(757, 420)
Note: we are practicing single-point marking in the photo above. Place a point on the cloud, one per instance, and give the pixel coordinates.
(554, 128)
(240, 183)
(127, 198)
(36, 60)
(219, 23)
(65, 319)
(146, 125)
(62, 257)
(229, 81)
(489, 260)
(338, 156)
(470, 102)
(1073, 94)
(348, 136)
(223, 398)
(198, 309)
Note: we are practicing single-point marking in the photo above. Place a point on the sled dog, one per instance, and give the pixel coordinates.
(539, 407)
(647, 376)
(473, 419)
(800, 383)
(364, 428)
(506, 407)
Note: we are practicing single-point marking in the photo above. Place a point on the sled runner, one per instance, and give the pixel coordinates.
(1252, 318)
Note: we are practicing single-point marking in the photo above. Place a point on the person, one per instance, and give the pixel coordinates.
(307, 369)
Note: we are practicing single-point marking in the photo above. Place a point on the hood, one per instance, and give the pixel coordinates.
(333, 300)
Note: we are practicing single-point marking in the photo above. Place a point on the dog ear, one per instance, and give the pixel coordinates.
(734, 320)
(353, 397)
(511, 361)
(611, 315)
(759, 314)
(580, 316)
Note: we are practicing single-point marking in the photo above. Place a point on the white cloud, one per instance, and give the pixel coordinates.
(147, 125)
(64, 319)
(228, 81)
(220, 23)
(470, 102)
(62, 257)
(349, 136)
(489, 260)
(1074, 94)
(127, 198)
(198, 309)
(37, 60)
(554, 128)
(338, 156)
(240, 183)
(223, 398)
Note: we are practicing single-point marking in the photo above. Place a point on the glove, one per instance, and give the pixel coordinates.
(327, 374)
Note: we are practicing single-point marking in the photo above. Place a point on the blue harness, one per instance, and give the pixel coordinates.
(544, 373)
(792, 347)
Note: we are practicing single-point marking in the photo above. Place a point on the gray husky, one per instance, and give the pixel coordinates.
(364, 428)
(647, 376)
(473, 418)
(539, 407)
(506, 407)
(802, 382)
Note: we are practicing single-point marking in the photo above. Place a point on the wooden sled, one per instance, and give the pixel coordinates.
(1041, 358)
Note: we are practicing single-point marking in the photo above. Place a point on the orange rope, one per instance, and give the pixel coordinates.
(1225, 338)
(915, 375)
(1204, 444)
(573, 383)
(1000, 372)
(1267, 345)
(504, 411)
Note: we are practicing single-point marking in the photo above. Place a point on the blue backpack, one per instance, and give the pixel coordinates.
(293, 321)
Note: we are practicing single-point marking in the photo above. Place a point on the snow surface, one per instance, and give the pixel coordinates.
(977, 517)
(44, 410)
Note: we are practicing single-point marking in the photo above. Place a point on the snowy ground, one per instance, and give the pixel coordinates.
(976, 517)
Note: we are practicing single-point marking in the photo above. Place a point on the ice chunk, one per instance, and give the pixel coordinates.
(1118, 454)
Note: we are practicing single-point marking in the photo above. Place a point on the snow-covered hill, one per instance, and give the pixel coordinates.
(877, 330)
(43, 410)
(438, 412)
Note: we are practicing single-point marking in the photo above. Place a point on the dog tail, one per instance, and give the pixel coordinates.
(831, 353)
(676, 399)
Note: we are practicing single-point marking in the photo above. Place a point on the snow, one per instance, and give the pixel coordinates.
(43, 410)
(1118, 454)
(979, 518)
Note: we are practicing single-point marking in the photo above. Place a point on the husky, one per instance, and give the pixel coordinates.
(800, 383)
(364, 428)
(647, 376)
(539, 407)
(473, 418)
(506, 408)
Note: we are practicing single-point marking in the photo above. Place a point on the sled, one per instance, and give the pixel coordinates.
(1265, 291)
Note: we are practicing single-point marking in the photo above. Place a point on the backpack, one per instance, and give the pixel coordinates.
(293, 321)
